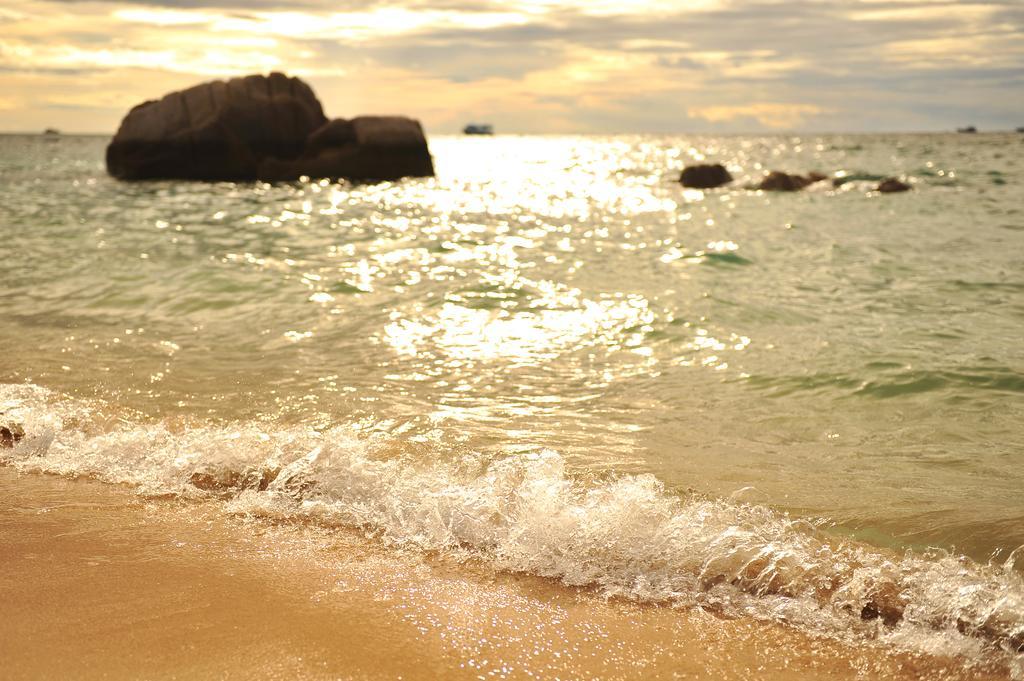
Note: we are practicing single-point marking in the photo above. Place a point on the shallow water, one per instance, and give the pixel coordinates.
(85, 567)
(450, 361)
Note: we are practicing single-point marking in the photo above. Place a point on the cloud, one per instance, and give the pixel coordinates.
(350, 25)
(10, 15)
(208, 60)
(204, 5)
(771, 115)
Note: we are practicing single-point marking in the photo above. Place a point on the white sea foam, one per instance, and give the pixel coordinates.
(625, 536)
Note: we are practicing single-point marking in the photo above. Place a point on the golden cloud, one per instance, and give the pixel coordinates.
(770, 114)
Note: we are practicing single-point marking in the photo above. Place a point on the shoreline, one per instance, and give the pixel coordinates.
(100, 583)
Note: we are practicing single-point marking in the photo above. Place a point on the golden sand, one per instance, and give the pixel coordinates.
(97, 583)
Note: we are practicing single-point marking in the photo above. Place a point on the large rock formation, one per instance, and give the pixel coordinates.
(706, 176)
(261, 128)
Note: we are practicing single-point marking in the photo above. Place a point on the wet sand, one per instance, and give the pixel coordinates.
(98, 583)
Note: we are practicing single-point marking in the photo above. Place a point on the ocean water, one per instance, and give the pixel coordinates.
(555, 358)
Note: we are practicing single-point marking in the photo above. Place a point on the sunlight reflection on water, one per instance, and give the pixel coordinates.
(564, 292)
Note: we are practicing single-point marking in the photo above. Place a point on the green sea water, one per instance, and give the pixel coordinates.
(838, 355)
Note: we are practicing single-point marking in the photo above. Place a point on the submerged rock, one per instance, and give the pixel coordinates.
(707, 176)
(892, 185)
(261, 128)
(227, 480)
(11, 433)
(777, 181)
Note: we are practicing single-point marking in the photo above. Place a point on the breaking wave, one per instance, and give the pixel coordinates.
(626, 536)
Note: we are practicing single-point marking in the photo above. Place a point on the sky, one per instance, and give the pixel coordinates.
(535, 66)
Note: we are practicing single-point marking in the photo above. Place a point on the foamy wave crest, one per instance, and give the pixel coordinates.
(627, 536)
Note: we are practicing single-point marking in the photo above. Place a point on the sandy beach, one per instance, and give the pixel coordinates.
(97, 583)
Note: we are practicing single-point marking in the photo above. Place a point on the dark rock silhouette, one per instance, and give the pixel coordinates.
(892, 185)
(707, 176)
(261, 128)
(371, 147)
(777, 181)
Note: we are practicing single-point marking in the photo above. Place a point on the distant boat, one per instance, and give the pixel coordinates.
(478, 129)
(51, 132)
(968, 129)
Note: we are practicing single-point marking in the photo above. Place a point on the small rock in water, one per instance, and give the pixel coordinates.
(225, 480)
(215, 481)
(11, 433)
(777, 181)
(707, 176)
(892, 185)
